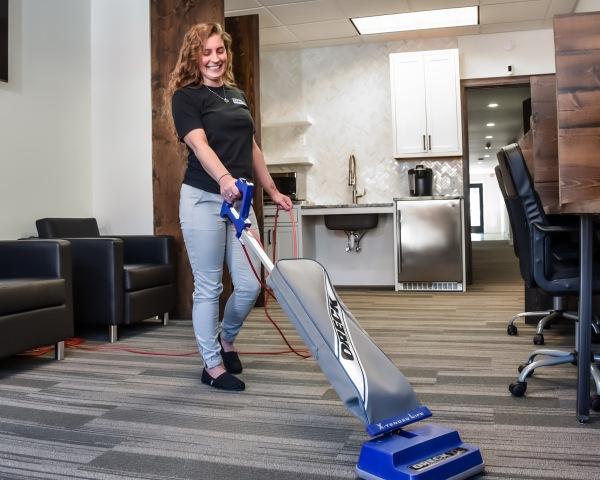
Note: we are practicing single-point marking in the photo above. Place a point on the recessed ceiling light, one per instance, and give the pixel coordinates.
(491, 124)
(399, 22)
(492, 105)
(486, 156)
(489, 136)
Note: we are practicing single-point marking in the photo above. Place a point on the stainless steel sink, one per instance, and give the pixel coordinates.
(352, 221)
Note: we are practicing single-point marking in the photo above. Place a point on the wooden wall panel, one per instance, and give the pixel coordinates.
(545, 140)
(577, 44)
(169, 20)
(246, 70)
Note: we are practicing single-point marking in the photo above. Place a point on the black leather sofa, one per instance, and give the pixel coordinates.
(35, 295)
(116, 280)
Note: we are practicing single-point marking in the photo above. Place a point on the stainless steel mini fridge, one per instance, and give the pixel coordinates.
(429, 244)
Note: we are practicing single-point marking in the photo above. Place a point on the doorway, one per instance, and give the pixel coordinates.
(497, 116)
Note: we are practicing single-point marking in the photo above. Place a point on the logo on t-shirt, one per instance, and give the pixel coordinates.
(239, 101)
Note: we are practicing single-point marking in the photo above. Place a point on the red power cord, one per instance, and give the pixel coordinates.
(77, 342)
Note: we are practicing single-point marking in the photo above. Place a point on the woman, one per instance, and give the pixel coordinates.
(211, 116)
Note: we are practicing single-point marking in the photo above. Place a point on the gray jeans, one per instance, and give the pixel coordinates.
(210, 240)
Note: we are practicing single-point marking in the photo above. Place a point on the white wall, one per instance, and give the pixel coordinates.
(45, 167)
(121, 147)
(529, 53)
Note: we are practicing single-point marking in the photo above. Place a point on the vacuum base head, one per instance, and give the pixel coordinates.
(430, 452)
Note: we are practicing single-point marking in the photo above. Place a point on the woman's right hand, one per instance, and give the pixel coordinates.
(229, 191)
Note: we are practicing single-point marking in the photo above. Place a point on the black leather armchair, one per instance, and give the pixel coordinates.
(116, 280)
(35, 295)
(541, 255)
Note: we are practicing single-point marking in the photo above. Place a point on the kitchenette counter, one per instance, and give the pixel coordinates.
(342, 209)
(309, 206)
(432, 197)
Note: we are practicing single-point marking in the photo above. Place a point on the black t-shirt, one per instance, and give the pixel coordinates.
(228, 127)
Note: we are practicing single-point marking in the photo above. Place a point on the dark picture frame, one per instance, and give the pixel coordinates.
(4, 40)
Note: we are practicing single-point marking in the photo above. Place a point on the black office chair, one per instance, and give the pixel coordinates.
(549, 273)
(116, 280)
(565, 251)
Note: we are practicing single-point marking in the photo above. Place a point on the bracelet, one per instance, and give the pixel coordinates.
(224, 175)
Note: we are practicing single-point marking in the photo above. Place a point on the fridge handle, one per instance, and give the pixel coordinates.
(399, 214)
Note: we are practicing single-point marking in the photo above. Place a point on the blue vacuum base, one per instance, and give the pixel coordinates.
(430, 452)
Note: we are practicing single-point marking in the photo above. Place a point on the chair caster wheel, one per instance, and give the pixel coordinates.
(522, 367)
(595, 403)
(517, 389)
(512, 329)
(538, 339)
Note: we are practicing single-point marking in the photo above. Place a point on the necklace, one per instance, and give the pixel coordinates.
(224, 98)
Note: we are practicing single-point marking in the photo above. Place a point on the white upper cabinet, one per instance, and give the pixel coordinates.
(426, 109)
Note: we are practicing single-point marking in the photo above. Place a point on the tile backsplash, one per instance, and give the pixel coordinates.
(344, 91)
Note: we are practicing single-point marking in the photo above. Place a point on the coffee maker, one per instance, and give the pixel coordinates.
(420, 181)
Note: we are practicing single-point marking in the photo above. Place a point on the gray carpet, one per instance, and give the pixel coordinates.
(109, 414)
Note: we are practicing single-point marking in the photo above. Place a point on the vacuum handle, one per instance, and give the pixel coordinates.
(240, 220)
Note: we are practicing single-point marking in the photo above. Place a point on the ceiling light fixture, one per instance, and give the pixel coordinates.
(491, 124)
(400, 22)
(486, 156)
(492, 105)
(489, 136)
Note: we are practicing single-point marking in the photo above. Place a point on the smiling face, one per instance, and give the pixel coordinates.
(213, 61)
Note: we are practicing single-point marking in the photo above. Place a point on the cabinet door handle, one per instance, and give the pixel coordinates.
(269, 236)
(424, 144)
(429, 142)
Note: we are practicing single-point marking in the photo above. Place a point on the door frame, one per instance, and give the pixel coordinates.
(465, 84)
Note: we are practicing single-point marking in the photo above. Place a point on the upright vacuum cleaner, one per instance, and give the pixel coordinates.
(365, 379)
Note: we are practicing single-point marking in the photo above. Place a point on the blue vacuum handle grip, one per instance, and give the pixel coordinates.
(240, 221)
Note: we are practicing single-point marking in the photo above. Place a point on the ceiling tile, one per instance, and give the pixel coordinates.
(322, 30)
(360, 8)
(558, 7)
(240, 4)
(331, 42)
(493, 2)
(513, 26)
(265, 18)
(308, 12)
(514, 12)
(419, 5)
(269, 3)
(269, 36)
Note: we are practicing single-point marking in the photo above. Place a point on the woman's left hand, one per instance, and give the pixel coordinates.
(281, 200)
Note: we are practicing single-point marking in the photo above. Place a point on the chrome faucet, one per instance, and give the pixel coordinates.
(352, 180)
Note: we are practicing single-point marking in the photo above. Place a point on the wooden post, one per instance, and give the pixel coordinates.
(169, 20)
(545, 140)
(246, 69)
